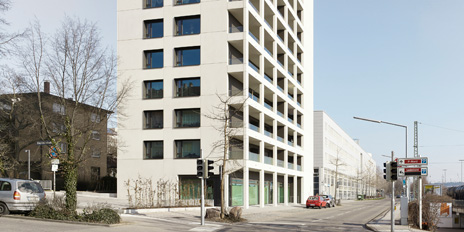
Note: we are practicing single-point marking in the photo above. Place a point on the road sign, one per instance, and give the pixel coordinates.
(53, 152)
(413, 161)
(54, 167)
(55, 161)
(412, 171)
(40, 143)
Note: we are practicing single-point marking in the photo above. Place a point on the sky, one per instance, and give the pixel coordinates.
(395, 61)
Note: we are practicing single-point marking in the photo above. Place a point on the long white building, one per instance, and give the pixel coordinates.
(336, 152)
(181, 56)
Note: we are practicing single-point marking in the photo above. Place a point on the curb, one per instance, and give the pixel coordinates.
(382, 214)
(61, 221)
(160, 210)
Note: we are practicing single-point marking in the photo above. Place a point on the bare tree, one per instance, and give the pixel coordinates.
(229, 117)
(338, 163)
(7, 40)
(82, 75)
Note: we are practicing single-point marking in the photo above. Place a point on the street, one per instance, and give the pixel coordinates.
(351, 216)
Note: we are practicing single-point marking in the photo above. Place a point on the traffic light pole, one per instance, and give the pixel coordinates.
(392, 203)
(202, 201)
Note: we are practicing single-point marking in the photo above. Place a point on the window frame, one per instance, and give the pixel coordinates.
(145, 89)
(147, 30)
(177, 156)
(96, 135)
(180, 2)
(178, 20)
(145, 150)
(145, 118)
(180, 81)
(148, 60)
(146, 5)
(176, 116)
(179, 56)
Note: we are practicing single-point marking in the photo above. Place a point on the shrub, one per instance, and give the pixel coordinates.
(104, 215)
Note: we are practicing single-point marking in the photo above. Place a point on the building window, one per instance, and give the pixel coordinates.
(94, 174)
(153, 28)
(153, 89)
(187, 56)
(96, 153)
(153, 149)
(95, 118)
(187, 148)
(63, 147)
(154, 59)
(153, 119)
(58, 108)
(153, 3)
(187, 118)
(95, 135)
(182, 2)
(188, 25)
(187, 87)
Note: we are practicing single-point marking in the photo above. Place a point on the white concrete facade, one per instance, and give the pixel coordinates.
(260, 49)
(356, 168)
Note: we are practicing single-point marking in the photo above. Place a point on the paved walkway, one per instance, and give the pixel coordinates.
(383, 222)
(86, 199)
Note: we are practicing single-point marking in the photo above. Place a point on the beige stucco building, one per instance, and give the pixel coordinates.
(182, 56)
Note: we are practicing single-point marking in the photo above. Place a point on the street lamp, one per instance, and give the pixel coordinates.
(393, 124)
(461, 169)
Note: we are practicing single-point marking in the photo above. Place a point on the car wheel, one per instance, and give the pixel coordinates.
(307, 206)
(3, 209)
(328, 205)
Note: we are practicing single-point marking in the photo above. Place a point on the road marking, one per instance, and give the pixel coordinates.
(275, 223)
(206, 228)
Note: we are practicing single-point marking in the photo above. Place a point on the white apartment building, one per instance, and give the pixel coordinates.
(334, 148)
(181, 56)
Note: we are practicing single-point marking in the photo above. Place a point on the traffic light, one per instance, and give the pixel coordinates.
(200, 168)
(208, 167)
(394, 170)
(387, 171)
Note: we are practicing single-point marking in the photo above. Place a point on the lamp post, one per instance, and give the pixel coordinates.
(406, 144)
(461, 169)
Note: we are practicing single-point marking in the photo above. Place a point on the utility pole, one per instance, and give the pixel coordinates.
(28, 164)
(419, 187)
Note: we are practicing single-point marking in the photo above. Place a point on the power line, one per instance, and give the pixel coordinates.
(441, 127)
(457, 145)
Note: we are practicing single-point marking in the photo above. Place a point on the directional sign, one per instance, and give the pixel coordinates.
(413, 161)
(41, 143)
(412, 171)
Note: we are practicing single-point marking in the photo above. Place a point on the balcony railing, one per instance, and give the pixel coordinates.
(253, 127)
(267, 78)
(235, 60)
(267, 50)
(253, 36)
(268, 24)
(290, 165)
(290, 120)
(280, 88)
(235, 29)
(267, 133)
(254, 156)
(298, 167)
(298, 125)
(253, 66)
(268, 106)
(235, 154)
(280, 114)
(253, 6)
(290, 143)
(268, 160)
(280, 163)
(280, 63)
(280, 139)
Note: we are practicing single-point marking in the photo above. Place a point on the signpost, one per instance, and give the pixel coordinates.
(41, 143)
(54, 163)
(413, 161)
(417, 171)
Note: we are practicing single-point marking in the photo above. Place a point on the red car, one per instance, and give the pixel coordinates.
(316, 201)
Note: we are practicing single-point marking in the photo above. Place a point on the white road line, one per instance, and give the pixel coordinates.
(276, 223)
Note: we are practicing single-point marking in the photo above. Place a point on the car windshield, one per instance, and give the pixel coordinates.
(30, 186)
(314, 198)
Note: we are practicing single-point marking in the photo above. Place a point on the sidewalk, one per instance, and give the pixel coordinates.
(383, 222)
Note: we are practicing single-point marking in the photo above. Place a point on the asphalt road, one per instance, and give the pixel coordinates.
(351, 216)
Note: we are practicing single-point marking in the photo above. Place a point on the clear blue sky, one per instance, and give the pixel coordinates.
(396, 61)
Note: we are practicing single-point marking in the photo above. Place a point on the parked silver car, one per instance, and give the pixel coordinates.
(19, 195)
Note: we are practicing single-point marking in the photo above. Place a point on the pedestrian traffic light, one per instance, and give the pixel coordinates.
(387, 171)
(394, 170)
(200, 168)
(209, 166)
